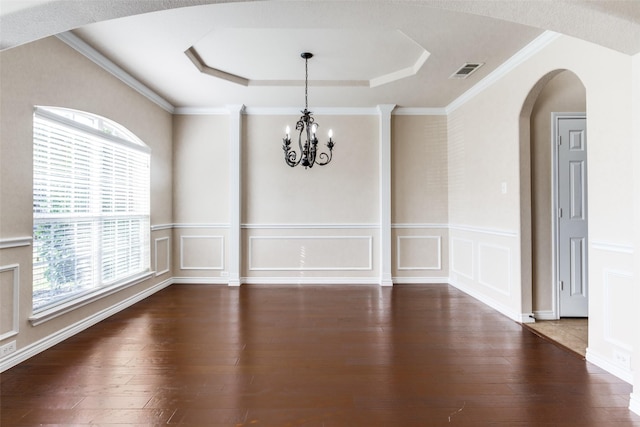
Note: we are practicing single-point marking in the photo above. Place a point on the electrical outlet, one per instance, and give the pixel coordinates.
(7, 349)
(622, 359)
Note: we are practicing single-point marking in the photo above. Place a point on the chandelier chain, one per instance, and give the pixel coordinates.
(306, 83)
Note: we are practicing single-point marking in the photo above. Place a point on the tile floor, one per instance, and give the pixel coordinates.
(571, 333)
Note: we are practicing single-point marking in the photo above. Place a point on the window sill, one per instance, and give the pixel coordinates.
(68, 306)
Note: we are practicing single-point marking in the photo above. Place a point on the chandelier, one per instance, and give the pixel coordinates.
(309, 154)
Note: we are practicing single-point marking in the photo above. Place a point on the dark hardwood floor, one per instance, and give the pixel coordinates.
(311, 356)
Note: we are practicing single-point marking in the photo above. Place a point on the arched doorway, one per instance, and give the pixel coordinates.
(561, 92)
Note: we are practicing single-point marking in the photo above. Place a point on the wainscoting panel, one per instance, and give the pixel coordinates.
(462, 257)
(162, 261)
(9, 291)
(618, 308)
(494, 267)
(485, 265)
(419, 252)
(201, 252)
(310, 253)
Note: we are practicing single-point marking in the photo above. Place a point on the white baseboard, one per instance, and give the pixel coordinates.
(527, 318)
(39, 346)
(201, 280)
(420, 280)
(606, 364)
(545, 315)
(488, 301)
(634, 403)
(300, 280)
(310, 280)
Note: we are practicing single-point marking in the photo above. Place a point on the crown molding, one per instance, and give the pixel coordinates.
(322, 111)
(525, 53)
(205, 111)
(294, 111)
(411, 111)
(89, 52)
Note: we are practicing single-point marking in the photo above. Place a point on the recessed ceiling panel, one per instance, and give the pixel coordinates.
(365, 53)
(343, 57)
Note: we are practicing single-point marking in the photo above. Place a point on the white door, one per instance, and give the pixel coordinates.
(571, 227)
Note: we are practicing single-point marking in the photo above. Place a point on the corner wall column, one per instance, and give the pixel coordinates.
(634, 400)
(234, 257)
(385, 193)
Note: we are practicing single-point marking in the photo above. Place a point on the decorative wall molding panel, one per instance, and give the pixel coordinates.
(10, 291)
(462, 257)
(310, 253)
(419, 252)
(618, 287)
(494, 267)
(163, 263)
(201, 252)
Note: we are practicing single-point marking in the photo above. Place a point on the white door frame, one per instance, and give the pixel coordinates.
(555, 117)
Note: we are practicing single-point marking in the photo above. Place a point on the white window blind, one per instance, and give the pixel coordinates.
(90, 205)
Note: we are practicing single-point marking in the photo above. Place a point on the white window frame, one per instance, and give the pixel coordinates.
(92, 184)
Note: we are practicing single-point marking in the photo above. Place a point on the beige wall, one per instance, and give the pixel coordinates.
(343, 192)
(48, 72)
(201, 169)
(419, 170)
(563, 93)
(483, 152)
(201, 197)
(319, 224)
(419, 204)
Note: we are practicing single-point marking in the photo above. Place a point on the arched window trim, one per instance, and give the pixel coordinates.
(103, 128)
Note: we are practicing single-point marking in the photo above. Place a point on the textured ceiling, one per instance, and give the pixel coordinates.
(366, 52)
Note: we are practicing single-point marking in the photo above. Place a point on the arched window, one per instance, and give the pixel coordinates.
(90, 205)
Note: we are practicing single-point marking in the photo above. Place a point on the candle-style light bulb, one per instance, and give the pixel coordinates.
(287, 130)
(330, 133)
(313, 129)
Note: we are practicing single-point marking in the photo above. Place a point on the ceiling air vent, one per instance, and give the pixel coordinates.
(466, 70)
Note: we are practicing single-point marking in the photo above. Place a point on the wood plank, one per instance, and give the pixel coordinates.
(411, 355)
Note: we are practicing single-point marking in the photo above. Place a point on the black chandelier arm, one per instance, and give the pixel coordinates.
(324, 156)
(290, 155)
